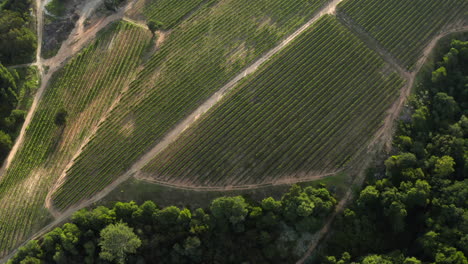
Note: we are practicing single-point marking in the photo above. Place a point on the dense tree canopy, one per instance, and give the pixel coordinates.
(18, 42)
(10, 118)
(232, 230)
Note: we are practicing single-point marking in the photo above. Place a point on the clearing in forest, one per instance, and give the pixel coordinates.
(306, 112)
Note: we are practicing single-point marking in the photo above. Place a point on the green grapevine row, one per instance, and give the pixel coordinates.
(405, 27)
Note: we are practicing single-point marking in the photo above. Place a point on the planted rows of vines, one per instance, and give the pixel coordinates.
(306, 113)
(198, 58)
(170, 12)
(84, 89)
(405, 27)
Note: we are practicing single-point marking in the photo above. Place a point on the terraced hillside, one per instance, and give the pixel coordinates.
(403, 27)
(305, 113)
(73, 105)
(198, 58)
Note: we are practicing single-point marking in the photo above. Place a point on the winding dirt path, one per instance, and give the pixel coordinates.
(237, 187)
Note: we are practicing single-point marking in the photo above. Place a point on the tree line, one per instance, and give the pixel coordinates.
(231, 230)
(18, 44)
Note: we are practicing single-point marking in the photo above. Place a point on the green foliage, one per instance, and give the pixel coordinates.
(61, 117)
(154, 25)
(117, 240)
(444, 167)
(5, 144)
(56, 7)
(232, 231)
(17, 42)
(230, 211)
(10, 118)
(31, 250)
(445, 108)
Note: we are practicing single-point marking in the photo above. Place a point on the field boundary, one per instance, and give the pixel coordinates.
(237, 187)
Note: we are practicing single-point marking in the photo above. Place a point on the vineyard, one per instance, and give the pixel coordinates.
(73, 105)
(198, 58)
(303, 114)
(405, 27)
(170, 12)
(303, 104)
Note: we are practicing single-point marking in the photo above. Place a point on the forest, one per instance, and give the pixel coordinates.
(231, 230)
(18, 42)
(17, 45)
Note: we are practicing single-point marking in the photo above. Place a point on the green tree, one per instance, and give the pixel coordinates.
(444, 108)
(31, 249)
(396, 164)
(30, 260)
(376, 259)
(154, 25)
(232, 210)
(411, 260)
(61, 117)
(117, 240)
(450, 255)
(5, 144)
(444, 167)
(17, 42)
(369, 197)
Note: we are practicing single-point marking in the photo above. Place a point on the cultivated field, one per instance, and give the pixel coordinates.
(198, 58)
(405, 27)
(171, 12)
(308, 112)
(85, 89)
